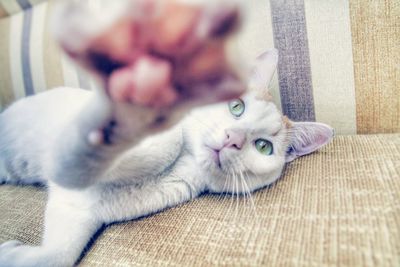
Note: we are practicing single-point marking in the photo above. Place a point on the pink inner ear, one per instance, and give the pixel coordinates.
(264, 69)
(319, 142)
(310, 136)
(270, 55)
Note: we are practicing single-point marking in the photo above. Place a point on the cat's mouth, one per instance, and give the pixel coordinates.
(215, 157)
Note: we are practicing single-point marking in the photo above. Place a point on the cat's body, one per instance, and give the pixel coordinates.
(160, 172)
(93, 151)
(96, 177)
(141, 180)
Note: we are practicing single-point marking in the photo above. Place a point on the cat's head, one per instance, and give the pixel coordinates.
(243, 145)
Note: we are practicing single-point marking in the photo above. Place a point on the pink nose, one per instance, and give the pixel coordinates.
(234, 138)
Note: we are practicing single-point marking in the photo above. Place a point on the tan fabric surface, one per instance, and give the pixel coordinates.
(340, 206)
(375, 27)
(21, 213)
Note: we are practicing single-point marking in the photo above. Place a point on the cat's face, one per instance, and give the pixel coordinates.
(243, 145)
(240, 145)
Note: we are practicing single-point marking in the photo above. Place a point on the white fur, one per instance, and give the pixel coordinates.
(74, 23)
(45, 139)
(261, 119)
(161, 172)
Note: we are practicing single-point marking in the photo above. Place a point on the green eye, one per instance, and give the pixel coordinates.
(264, 147)
(236, 107)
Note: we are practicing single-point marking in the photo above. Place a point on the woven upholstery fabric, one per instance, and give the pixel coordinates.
(338, 59)
(340, 206)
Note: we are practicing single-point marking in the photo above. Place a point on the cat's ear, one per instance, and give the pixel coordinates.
(263, 70)
(306, 137)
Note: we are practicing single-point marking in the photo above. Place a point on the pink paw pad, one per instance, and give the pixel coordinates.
(146, 81)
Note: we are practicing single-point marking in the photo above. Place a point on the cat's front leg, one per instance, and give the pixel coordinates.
(15, 254)
(69, 225)
(124, 201)
(87, 146)
(153, 53)
(148, 80)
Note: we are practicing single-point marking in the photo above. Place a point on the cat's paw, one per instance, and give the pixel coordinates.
(6, 246)
(12, 254)
(156, 53)
(15, 254)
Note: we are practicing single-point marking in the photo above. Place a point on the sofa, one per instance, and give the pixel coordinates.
(339, 64)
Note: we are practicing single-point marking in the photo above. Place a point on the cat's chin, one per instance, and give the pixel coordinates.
(216, 168)
(211, 167)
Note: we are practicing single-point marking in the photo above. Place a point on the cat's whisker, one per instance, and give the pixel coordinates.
(237, 197)
(230, 179)
(248, 192)
(237, 190)
(247, 189)
(224, 189)
(231, 201)
(245, 195)
(254, 207)
(247, 168)
(233, 192)
(237, 176)
(244, 192)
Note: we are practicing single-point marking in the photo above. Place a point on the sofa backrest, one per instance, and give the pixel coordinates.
(10, 7)
(339, 60)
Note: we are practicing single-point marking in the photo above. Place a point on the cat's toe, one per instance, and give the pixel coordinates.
(9, 244)
(8, 253)
(146, 82)
(15, 254)
(157, 60)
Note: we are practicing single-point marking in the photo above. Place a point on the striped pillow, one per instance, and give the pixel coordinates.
(30, 60)
(339, 60)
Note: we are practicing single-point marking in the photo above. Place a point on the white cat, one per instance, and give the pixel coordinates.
(89, 148)
(234, 147)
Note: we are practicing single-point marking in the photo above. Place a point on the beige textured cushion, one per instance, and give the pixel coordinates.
(340, 206)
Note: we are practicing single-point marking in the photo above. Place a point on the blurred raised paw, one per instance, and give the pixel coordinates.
(157, 53)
